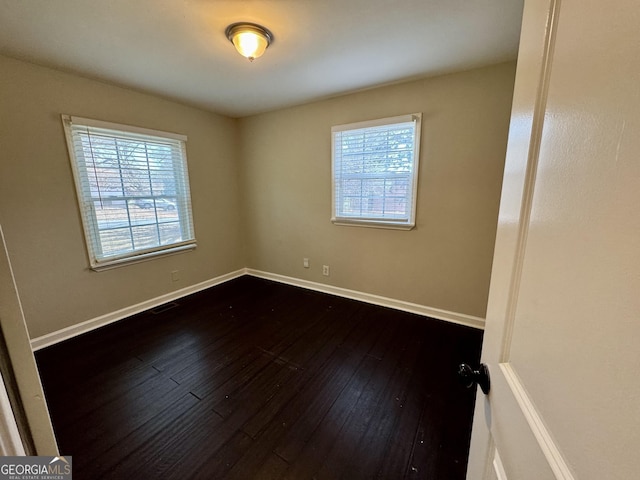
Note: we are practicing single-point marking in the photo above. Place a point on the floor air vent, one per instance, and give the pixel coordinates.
(164, 308)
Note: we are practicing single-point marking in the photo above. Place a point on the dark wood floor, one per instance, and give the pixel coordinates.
(254, 379)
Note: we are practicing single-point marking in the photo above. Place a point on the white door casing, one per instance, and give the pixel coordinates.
(24, 366)
(563, 319)
(10, 440)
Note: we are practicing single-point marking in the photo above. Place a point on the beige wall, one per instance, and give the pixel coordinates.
(445, 261)
(38, 208)
(270, 170)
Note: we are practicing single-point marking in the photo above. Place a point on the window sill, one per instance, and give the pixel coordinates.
(373, 224)
(143, 257)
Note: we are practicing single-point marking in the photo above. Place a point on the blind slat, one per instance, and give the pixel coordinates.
(375, 170)
(133, 190)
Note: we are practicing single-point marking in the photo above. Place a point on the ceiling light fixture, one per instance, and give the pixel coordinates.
(250, 40)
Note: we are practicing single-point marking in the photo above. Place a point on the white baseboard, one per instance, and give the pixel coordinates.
(459, 318)
(84, 327)
(547, 444)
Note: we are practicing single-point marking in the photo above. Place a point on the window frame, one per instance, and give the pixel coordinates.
(373, 222)
(97, 261)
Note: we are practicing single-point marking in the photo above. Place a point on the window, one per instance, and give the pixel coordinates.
(133, 191)
(375, 172)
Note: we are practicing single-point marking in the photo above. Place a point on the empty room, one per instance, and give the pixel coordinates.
(301, 240)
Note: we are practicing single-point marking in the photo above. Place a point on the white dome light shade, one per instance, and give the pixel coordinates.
(250, 40)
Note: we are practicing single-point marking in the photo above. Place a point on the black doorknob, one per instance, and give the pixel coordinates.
(470, 377)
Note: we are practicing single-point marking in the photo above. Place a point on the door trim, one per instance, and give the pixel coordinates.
(547, 444)
(498, 467)
(533, 157)
(10, 440)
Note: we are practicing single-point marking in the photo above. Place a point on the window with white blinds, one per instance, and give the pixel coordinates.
(133, 191)
(375, 172)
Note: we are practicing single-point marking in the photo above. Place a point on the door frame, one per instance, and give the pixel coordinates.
(36, 430)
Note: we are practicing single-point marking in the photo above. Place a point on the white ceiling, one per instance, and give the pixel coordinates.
(322, 48)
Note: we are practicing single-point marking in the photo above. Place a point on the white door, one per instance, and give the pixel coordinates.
(562, 338)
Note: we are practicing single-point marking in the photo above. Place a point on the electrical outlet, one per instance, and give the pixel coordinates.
(325, 270)
(305, 262)
(175, 276)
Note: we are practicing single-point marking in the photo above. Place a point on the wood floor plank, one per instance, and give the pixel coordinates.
(310, 371)
(343, 419)
(399, 447)
(288, 371)
(370, 428)
(310, 407)
(189, 365)
(273, 468)
(109, 424)
(273, 344)
(183, 443)
(291, 428)
(255, 379)
(100, 390)
(306, 461)
(256, 392)
(374, 444)
(137, 447)
(259, 458)
(223, 459)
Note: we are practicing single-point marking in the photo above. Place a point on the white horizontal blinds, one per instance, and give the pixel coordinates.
(133, 190)
(374, 168)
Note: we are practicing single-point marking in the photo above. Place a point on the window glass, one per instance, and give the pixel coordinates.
(375, 172)
(133, 190)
